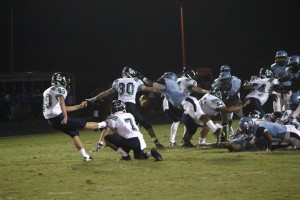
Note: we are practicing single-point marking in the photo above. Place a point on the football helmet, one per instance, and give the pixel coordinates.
(294, 100)
(246, 125)
(294, 63)
(63, 79)
(128, 72)
(117, 105)
(225, 68)
(190, 73)
(281, 57)
(225, 80)
(216, 93)
(266, 72)
(170, 75)
(276, 115)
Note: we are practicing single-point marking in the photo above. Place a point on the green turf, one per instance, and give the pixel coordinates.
(47, 166)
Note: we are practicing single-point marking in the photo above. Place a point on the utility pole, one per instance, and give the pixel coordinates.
(182, 34)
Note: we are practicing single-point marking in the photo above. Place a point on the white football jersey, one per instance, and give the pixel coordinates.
(51, 107)
(261, 89)
(127, 88)
(184, 83)
(211, 104)
(125, 125)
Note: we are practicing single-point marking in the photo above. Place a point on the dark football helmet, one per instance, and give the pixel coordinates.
(117, 105)
(225, 80)
(170, 75)
(190, 73)
(63, 79)
(266, 72)
(246, 125)
(281, 57)
(294, 63)
(225, 68)
(128, 72)
(276, 115)
(294, 100)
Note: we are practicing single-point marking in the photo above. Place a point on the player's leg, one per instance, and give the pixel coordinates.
(140, 119)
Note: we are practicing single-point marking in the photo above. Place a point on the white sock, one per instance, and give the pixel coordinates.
(102, 124)
(122, 152)
(101, 142)
(149, 154)
(174, 128)
(202, 140)
(211, 125)
(83, 153)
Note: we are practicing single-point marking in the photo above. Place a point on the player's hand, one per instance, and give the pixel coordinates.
(64, 121)
(91, 100)
(83, 104)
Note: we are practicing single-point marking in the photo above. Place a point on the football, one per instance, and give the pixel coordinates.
(144, 101)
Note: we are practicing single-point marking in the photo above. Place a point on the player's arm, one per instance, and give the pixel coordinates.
(268, 138)
(247, 86)
(62, 104)
(235, 108)
(197, 90)
(76, 107)
(160, 84)
(150, 89)
(101, 95)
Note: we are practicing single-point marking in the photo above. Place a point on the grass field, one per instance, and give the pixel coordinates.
(47, 166)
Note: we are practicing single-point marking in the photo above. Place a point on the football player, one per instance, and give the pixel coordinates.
(260, 89)
(272, 133)
(193, 115)
(187, 84)
(126, 135)
(281, 60)
(229, 87)
(212, 104)
(56, 111)
(126, 88)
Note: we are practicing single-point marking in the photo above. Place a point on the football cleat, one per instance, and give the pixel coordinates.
(87, 159)
(187, 144)
(156, 155)
(172, 144)
(97, 148)
(158, 145)
(125, 157)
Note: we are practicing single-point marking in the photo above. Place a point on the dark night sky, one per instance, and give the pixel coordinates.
(94, 39)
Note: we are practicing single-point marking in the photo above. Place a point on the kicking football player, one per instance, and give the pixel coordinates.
(193, 114)
(126, 88)
(56, 111)
(126, 135)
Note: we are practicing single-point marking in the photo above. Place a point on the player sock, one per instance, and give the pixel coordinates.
(202, 140)
(83, 153)
(122, 152)
(211, 125)
(102, 125)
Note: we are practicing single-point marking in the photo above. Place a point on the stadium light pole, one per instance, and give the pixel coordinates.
(11, 37)
(182, 34)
